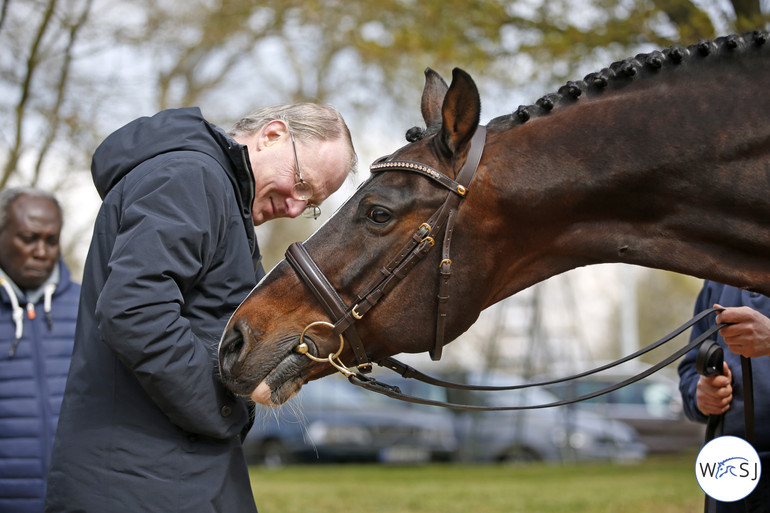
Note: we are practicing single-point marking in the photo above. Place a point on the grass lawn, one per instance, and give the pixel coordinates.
(659, 485)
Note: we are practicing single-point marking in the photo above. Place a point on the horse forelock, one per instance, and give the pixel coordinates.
(622, 73)
(416, 133)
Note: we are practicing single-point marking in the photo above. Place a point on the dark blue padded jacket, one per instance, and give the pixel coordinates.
(31, 389)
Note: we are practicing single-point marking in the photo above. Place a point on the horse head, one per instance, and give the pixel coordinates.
(258, 352)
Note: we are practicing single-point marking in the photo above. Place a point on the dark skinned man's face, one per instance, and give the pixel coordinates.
(29, 243)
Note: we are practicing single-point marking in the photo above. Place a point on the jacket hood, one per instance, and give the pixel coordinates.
(169, 130)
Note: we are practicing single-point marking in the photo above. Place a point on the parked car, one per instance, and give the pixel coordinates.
(331, 420)
(653, 406)
(550, 434)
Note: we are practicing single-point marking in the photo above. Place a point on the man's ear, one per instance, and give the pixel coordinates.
(271, 133)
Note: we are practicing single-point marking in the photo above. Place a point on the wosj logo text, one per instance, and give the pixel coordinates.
(728, 468)
(736, 466)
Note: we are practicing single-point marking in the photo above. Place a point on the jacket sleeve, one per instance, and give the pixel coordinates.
(172, 225)
(688, 374)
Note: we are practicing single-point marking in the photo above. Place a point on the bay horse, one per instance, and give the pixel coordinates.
(661, 160)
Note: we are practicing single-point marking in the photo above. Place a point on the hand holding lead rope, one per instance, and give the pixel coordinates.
(709, 362)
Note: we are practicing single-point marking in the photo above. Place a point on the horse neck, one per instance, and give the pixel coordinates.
(670, 173)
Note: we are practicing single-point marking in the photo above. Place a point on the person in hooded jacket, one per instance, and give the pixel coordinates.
(146, 425)
(38, 308)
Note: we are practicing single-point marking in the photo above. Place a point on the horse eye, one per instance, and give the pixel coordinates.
(379, 215)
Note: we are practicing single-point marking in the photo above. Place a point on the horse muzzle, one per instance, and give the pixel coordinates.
(233, 352)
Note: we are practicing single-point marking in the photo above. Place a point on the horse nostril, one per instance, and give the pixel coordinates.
(231, 349)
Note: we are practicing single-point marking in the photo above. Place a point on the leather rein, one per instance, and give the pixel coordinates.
(418, 246)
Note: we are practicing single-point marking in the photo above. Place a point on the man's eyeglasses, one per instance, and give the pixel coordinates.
(302, 191)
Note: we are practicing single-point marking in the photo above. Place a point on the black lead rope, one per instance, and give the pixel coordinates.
(748, 398)
(394, 392)
(710, 362)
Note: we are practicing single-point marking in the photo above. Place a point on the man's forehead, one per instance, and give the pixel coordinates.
(30, 209)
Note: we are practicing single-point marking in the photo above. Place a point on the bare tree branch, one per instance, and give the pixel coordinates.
(32, 63)
(54, 115)
(3, 13)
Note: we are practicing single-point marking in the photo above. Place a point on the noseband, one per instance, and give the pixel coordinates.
(421, 242)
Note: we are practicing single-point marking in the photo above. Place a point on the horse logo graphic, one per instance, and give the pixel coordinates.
(729, 466)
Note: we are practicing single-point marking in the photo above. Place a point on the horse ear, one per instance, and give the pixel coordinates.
(460, 112)
(433, 97)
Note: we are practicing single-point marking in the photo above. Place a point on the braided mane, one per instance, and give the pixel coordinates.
(621, 73)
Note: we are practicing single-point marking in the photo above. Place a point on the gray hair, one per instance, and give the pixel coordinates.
(8, 196)
(307, 121)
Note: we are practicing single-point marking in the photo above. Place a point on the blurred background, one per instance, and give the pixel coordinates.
(72, 71)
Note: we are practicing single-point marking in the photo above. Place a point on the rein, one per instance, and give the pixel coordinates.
(408, 372)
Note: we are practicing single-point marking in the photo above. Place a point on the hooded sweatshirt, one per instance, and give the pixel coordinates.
(146, 424)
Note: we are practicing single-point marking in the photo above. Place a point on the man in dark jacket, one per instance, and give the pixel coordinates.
(748, 335)
(38, 308)
(146, 425)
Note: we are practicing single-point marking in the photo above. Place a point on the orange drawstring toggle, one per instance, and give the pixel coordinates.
(31, 311)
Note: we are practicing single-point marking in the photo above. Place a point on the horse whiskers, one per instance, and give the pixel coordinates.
(295, 405)
(291, 412)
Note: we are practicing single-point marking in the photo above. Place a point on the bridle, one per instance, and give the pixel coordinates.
(420, 243)
(418, 246)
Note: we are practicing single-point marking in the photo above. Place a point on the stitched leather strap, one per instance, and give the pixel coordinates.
(464, 178)
(309, 272)
(445, 270)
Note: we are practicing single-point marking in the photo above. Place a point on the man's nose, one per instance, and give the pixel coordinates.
(42, 250)
(295, 207)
